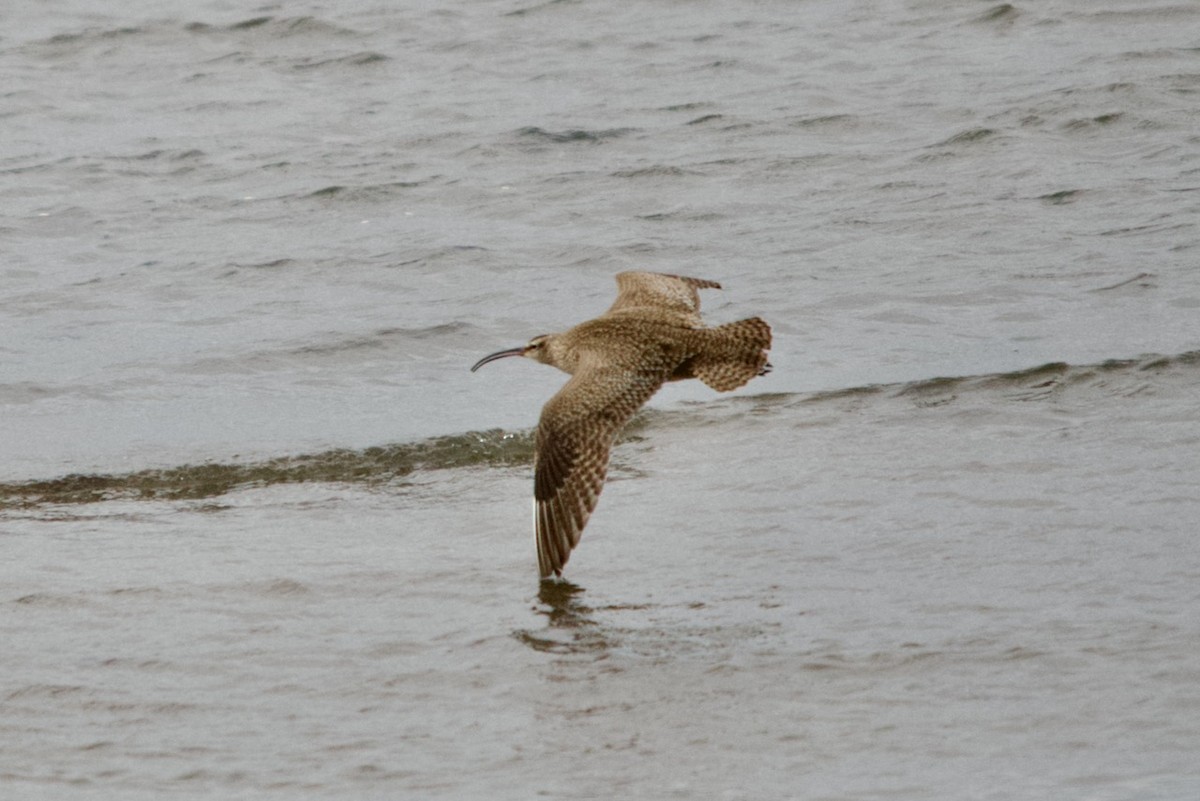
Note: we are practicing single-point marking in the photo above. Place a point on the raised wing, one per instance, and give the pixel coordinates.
(574, 436)
(659, 290)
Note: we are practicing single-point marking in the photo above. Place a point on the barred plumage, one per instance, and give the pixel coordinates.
(653, 333)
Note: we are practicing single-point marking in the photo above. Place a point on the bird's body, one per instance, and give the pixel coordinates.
(651, 334)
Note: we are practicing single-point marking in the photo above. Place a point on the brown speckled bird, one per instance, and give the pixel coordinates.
(652, 334)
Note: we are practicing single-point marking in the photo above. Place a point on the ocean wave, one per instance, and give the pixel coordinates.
(391, 464)
(375, 465)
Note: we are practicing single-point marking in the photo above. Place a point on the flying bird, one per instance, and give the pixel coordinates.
(652, 334)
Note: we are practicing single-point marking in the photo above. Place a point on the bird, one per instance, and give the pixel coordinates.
(652, 334)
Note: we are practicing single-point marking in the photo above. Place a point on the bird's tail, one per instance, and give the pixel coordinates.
(732, 354)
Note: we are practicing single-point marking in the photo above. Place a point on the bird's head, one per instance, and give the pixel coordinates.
(536, 349)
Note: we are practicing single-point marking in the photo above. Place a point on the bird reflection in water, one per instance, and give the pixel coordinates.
(570, 628)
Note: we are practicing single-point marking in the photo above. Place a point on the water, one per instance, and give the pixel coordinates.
(265, 536)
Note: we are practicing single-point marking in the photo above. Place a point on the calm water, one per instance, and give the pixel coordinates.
(264, 536)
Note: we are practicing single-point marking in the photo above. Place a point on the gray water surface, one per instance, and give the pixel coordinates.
(265, 536)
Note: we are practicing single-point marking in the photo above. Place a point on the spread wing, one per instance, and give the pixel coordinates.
(574, 436)
(674, 292)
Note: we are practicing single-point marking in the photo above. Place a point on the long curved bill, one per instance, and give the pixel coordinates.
(500, 354)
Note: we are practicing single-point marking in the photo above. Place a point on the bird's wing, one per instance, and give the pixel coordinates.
(576, 431)
(659, 290)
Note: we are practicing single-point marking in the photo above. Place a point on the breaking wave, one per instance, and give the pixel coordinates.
(389, 464)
